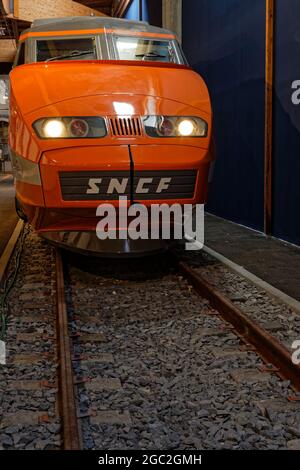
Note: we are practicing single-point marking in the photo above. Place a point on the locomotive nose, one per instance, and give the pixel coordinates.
(78, 166)
(123, 88)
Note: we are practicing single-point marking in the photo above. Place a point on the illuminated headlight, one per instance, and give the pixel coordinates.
(175, 126)
(54, 129)
(70, 128)
(186, 127)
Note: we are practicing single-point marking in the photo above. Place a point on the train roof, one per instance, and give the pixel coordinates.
(91, 22)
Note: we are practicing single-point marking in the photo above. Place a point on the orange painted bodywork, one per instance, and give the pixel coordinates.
(97, 88)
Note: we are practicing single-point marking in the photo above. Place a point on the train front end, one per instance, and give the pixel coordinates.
(105, 115)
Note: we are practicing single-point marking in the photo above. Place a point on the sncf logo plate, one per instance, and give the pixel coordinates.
(147, 185)
(120, 186)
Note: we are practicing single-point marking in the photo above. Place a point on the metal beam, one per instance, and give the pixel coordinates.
(269, 86)
(172, 16)
(120, 7)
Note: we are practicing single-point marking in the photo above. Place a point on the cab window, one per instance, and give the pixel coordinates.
(132, 48)
(66, 49)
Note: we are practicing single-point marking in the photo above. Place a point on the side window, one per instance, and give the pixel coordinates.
(21, 54)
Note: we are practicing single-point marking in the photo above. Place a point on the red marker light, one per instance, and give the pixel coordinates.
(79, 128)
(166, 128)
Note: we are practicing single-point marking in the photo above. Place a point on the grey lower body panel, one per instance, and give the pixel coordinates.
(88, 244)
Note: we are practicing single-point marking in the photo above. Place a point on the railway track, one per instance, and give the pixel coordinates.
(137, 359)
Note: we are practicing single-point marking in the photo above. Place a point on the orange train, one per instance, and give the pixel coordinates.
(102, 108)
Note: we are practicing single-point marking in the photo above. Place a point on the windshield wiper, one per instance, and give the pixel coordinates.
(70, 54)
(152, 54)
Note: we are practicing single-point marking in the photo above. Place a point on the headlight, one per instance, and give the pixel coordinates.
(175, 126)
(186, 127)
(70, 128)
(53, 129)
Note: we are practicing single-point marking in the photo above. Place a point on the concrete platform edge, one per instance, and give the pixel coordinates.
(273, 291)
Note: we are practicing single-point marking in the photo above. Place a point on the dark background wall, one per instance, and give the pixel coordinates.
(286, 223)
(155, 12)
(224, 40)
(5, 67)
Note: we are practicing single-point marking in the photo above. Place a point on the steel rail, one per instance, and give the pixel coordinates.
(9, 249)
(68, 408)
(270, 349)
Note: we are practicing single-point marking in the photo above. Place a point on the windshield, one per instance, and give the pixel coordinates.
(132, 48)
(66, 49)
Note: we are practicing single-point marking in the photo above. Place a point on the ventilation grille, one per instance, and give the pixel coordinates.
(126, 126)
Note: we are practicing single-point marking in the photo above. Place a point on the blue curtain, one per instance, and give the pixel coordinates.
(224, 40)
(287, 123)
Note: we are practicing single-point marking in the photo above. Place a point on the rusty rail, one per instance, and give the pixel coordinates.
(9, 249)
(271, 350)
(71, 439)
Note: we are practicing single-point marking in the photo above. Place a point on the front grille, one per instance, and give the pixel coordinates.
(110, 185)
(126, 126)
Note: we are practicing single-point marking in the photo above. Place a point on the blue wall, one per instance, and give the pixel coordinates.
(133, 12)
(287, 123)
(224, 40)
(151, 11)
